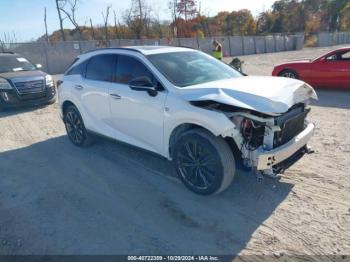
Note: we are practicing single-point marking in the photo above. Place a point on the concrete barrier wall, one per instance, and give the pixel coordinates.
(236, 45)
(329, 39)
(56, 57)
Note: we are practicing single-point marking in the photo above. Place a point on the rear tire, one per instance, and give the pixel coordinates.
(289, 74)
(75, 128)
(204, 163)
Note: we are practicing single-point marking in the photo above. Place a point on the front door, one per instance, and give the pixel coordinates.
(343, 66)
(136, 116)
(332, 71)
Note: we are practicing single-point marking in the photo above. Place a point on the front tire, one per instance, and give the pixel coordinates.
(289, 74)
(204, 163)
(75, 127)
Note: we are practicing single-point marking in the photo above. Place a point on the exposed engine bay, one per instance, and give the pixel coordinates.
(257, 133)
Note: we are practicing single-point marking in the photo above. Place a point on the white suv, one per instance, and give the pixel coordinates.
(190, 108)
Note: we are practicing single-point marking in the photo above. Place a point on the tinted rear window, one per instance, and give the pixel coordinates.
(78, 69)
(101, 68)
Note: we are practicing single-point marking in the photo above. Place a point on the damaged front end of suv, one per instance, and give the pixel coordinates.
(270, 129)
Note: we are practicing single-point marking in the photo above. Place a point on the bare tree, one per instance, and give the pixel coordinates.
(116, 31)
(7, 39)
(203, 20)
(92, 30)
(137, 17)
(121, 30)
(69, 8)
(45, 22)
(157, 25)
(60, 18)
(105, 19)
(188, 8)
(174, 15)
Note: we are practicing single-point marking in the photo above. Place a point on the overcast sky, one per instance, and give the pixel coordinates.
(25, 18)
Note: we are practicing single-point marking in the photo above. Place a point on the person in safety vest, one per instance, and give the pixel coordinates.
(217, 50)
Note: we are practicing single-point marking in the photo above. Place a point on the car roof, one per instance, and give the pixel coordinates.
(340, 49)
(344, 48)
(145, 50)
(148, 50)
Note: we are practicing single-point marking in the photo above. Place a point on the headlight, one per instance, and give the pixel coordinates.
(4, 84)
(49, 80)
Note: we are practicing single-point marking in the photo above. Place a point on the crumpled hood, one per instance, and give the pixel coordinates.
(268, 95)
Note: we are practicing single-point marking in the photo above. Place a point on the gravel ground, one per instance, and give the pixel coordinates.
(115, 199)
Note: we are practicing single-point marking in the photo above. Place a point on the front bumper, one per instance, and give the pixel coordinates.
(268, 159)
(11, 99)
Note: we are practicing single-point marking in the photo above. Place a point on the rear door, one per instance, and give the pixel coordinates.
(92, 92)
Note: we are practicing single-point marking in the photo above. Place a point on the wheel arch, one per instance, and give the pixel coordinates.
(67, 104)
(178, 130)
(183, 127)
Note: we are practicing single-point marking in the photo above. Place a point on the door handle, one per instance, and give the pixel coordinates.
(79, 87)
(115, 96)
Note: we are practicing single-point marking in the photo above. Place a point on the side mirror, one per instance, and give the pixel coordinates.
(38, 66)
(143, 84)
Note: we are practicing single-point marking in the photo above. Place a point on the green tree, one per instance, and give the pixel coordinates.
(289, 16)
(345, 18)
(265, 23)
(336, 7)
(240, 23)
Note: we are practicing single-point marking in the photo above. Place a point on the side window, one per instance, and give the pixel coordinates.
(101, 68)
(332, 57)
(129, 68)
(78, 69)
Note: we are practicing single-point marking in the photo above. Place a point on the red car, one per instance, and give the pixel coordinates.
(329, 70)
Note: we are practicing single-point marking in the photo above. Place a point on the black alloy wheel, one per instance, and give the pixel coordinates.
(75, 127)
(204, 163)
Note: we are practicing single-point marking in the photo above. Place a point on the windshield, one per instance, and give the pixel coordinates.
(191, 68)
(12, 63)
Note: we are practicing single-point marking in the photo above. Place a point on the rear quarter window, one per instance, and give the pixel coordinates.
(78, 69)
(101, 68)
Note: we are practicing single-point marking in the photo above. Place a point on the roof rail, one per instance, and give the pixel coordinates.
(112, 48)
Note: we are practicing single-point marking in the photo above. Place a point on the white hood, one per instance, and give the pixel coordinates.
(269, 95)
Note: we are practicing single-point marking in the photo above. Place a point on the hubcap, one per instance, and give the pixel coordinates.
(197, 165)
(74, 127)
(289, 75)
